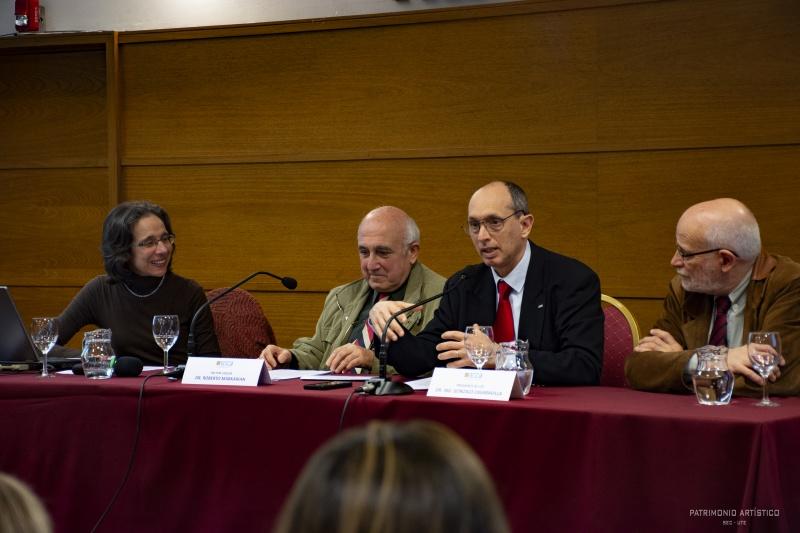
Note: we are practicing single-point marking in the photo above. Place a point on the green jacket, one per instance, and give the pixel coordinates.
(341, 309)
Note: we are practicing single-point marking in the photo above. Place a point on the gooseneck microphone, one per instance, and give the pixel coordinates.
(384, 386)
(289, 283)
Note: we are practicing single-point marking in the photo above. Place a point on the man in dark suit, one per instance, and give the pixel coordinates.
(523, 290)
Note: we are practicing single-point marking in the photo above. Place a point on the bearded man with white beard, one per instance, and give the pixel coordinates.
(726, 286)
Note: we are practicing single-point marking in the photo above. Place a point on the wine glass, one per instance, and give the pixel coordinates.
(478, 341)
(166, 329)
(764, 349)
(44, 334)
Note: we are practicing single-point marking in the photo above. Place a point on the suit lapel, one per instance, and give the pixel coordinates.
(755, 293)
(413, 294)
(485, 298)
(697, 319)
(532, 312)
(351, 311)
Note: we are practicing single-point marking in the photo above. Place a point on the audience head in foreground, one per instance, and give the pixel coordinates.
(725, 286)
(388, 477)
(21, 511)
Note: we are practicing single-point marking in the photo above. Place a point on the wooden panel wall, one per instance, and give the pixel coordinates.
(52, 107)
(54, 167)
(268, 143)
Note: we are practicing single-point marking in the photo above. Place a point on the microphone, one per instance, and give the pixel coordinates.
(128, 367)
(176, 374)
(386, 387)
(289, 283)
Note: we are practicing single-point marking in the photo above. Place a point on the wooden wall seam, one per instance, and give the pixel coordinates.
(112, 110)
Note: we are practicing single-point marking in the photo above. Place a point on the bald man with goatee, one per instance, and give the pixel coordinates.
(726, 286)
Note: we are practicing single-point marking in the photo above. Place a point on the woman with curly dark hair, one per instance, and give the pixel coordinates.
(138, 247)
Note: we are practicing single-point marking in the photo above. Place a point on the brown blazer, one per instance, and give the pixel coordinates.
(773, 304)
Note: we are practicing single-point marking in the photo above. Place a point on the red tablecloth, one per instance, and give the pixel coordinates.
(564, 459)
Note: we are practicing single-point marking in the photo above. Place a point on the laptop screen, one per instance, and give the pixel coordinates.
(15, 344)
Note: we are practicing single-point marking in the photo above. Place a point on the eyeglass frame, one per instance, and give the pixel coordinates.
(484, 222)
(152, 243)
(684, 255)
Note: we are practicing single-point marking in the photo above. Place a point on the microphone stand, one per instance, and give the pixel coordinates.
(289, 283)
(382, 385)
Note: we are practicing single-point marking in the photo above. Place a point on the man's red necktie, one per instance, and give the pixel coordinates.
(367, 332)
(504, 321)
(719, 333)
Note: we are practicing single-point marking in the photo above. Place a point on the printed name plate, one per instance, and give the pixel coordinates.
(497, 385)
(226, 371)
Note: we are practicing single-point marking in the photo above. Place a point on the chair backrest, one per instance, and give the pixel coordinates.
(241, 327)
(620, 335)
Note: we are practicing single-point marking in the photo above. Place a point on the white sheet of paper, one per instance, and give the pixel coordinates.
(420, 384)
(473, 384)
(144, 369)
(279, 374)
(339, 377)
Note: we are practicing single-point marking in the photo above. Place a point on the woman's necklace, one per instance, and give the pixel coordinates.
(160, 283)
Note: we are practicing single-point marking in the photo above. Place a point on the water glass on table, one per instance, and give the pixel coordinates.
(97, 355)
(479, 344)
(44, 334)
(764, 351)
(166, 329)
(513, 355)
(712, 379)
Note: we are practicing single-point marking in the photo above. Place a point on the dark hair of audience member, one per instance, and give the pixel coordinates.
(118, 236)
(417, 477)
(21, 511)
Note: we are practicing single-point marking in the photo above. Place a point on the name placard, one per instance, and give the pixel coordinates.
(469, 383)
(226, 371)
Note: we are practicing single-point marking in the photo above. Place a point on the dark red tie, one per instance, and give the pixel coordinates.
(719, 333)
(504, 321)
(367, 333)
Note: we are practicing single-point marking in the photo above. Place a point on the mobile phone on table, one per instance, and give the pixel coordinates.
(328, 385)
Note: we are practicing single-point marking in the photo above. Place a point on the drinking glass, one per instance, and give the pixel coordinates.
(513, 355)
(166, 329)
(712, 380)
(44, 334)
(764, 349)
(478, 341)
(97, 356)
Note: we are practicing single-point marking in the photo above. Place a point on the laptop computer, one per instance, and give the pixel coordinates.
(17, 350)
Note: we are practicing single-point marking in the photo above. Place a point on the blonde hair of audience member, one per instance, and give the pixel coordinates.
(394, 478)
(20, 509)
